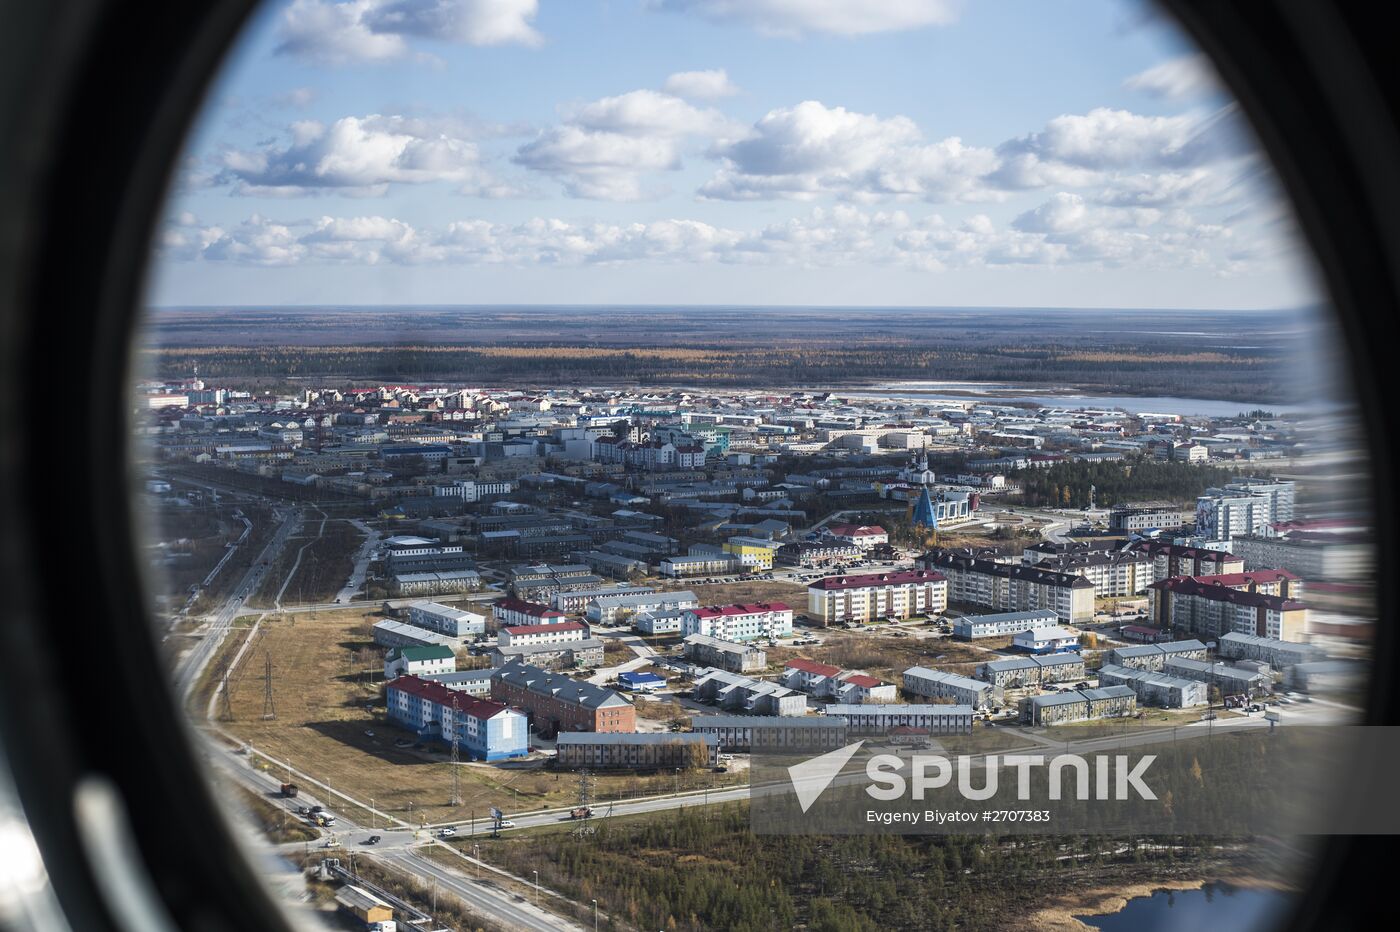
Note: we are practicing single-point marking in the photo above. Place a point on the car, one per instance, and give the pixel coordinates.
(316, 810)
(332, 842)
(373, 840)
(505, 823)
(369, 733)
(447, 832)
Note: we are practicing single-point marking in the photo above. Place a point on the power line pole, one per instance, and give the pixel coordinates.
(456, 758)
(226, 702)
(269, 710)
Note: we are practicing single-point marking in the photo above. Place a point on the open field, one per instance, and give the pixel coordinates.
(326, 686)
(884, 656)
(751, 591)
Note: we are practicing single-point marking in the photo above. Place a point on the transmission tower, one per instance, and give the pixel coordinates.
(585, 793)
(456, 759)
(269, 710)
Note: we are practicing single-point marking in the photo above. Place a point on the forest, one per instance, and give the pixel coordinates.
(1137, 479)
(704, 869)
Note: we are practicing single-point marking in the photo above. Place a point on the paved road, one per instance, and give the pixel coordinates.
(484, 894)
(192, 664)
(362, 560)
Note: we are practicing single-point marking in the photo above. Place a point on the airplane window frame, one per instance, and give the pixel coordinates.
(97, 104)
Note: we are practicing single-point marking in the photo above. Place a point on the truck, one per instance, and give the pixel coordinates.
(289, 790)
(581, 812)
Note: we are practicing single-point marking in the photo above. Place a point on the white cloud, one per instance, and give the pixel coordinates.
(339, 32)
(603, 148)
(796, 18)
(701, 85)
(811, 149)
(1065, 230)
(1178, 79)
(360, 156)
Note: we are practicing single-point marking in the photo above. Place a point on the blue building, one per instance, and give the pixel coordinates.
(641, 682)
(924, 515)
(484, 730)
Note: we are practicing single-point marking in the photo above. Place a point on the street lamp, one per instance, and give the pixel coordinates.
(476, 856)
(537, 888)
(595, 916)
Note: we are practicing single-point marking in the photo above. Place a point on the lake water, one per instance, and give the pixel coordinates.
(1003, 393)
(1217, 906)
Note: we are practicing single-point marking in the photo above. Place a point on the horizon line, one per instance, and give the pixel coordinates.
(684, 306)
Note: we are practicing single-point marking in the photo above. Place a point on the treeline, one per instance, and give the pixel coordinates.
(1242, 374)
(1066, 485)
(704, 869)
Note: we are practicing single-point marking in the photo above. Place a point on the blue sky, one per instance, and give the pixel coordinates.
(924, 152)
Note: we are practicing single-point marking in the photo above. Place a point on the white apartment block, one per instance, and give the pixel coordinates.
(739, 622)
(866, 598)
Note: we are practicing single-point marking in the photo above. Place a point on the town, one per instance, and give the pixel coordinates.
(639, 589)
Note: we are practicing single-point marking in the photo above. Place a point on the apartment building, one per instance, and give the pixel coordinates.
(1156, 688)
(975, 580)
(846, 686)
(809, 554)
(963, 690)
(1273, 651)
(755, 553)
(1003, 624)
(453, 622)
(1259, 603)
(773, 732)
(735, 691)
(1034, 671)
(861, 536)
(727, 655)
(419, 661)
(1079, 705)
(529, 635)
(739, 622)
(882, 719)
(1170, 560)
(1115, 574)
(700, 564)
(1246, 506)
(867, 598)
(1154, 656)
(513, 612)
(482, 729)
(556, 702)
(622, 751)
(610, 609)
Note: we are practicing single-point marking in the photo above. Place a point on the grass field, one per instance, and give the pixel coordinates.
(882, 655)
(326, 690)
(752, 591)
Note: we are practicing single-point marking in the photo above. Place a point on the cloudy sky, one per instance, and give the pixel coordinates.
(849, 152)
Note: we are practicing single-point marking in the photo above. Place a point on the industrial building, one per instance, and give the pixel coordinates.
(936, 684)
(1023, 672)
(646, 751)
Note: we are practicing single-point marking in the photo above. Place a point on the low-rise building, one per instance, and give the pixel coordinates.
(1003, 624)
(554, 656)
(1045, 640)
(444, 619)
(736, 691)
(399, 634)
(809, 554)
(1326, 676)
(963, 690)
(559, 703)
(825, 681)
(862, 536)
(727, 655)
(530, 635)
(755, 553)
(471, 682)
(511, 612)
(1024, 672)
(1230, 680)
(647, 751)
(936, 719)
(1154, 656)
(739, 622)
(481, 728)
(1079, 705)
(773, 732)
(704, 564)
(1273, 651)
(1156, 688)
(444, 582)
(662, 621)
(875, 596)
(610, 609)
(640, 682)
(419, 661)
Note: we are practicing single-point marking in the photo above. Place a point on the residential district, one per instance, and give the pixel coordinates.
(661, 581)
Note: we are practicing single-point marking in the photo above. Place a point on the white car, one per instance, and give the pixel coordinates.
(506, 823)
(447, 832)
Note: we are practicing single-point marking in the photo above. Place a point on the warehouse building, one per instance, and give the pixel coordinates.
(1024, 672)
(1003, 624)
(737, 692)
(773, 732)
(882, 719)
(727, 655)
(1156, 688)
(1153, 656)
(963, 690)
(621, 751)
(1081, 705)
